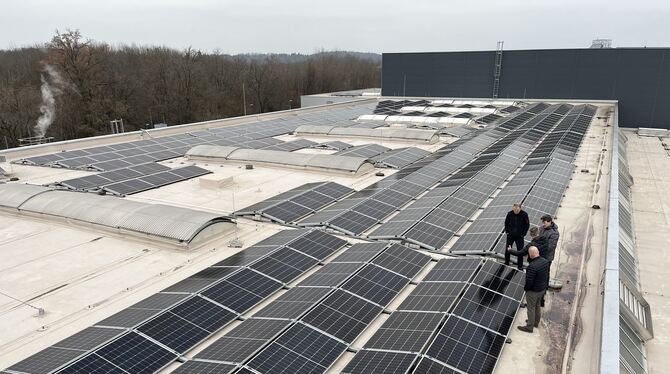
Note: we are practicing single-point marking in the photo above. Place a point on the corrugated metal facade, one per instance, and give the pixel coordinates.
(638, 77)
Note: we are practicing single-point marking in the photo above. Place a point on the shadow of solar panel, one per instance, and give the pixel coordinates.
(293, 303)
(91, 364)
(284, 265)
(135, 354)
(199, 367)
(244, 340)
(402, 260)
(300, 349)
(202, 279)
(487, 308)
(342, 315)
(89, 338)
(433, 296)
(466, 346)
(379, 362)
(405, 331)
(503, 279)
(453, 269)
(46, 360)
(376, 284)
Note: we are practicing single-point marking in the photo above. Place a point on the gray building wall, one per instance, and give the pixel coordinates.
(638, 77)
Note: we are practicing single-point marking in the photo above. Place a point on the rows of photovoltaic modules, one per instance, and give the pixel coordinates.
(392, 108)
(539, 184)
(131, 167)
(370, 206)
(296, 203)
(154, 332)
(456, 320)
(307, 329)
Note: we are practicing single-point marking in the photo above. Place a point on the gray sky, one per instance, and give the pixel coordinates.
(306, 26)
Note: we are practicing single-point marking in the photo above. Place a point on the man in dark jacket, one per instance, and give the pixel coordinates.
(535, 241)
(516, 227)
(549, 230)
(537, 279)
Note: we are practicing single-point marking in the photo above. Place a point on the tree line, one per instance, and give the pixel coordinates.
(91, 83)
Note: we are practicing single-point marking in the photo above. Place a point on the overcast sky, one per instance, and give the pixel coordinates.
(306, 26)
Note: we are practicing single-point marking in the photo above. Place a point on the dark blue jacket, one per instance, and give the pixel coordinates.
(517, 225)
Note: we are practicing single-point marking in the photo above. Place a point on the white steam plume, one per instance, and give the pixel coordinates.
(49, 93)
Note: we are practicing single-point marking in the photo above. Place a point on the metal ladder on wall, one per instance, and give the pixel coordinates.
(497, 68)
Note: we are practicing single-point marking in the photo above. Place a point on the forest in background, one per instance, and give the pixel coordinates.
(72, 87)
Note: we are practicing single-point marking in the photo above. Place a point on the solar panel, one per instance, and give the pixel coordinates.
(402, 260)
(503, 279)
(89, 338)
(433, 296)
(173, 332)
(300, 349)
(242, 290)
(342, 315)
(376, 284)
(46, 360)
(430, 366)
(352, 222)
(360, 252)
(203, 313)
(487, 308)
(91, 364)
(380, 362)
(453, 270)
(293, 303)
(284, 265)
(134, 354)
(428, 235)
(405, 331)
(318, 244)
(244, 340)
(199, 367)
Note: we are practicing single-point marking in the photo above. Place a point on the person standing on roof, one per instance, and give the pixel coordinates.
(549, 231)
(516, 227)
(537, 279)
(536, 240)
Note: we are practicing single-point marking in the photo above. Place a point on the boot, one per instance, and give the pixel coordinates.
(537, 325)
(525, 328)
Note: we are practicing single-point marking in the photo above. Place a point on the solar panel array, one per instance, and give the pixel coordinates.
(333, 146)
(307, 328)
(365, 150)
(399, 158)
(448, 207)
(363, 210)
(296, 203)
(258, 135)
(453, 321)
(154, 332)
(133, 179)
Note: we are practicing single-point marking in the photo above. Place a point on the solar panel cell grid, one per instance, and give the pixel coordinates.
(379, 362)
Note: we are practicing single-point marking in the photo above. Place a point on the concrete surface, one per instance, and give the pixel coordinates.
(649, 164)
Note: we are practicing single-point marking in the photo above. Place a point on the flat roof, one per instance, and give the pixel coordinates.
(80, 274)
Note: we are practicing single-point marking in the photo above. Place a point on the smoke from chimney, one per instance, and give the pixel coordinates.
(50, 82)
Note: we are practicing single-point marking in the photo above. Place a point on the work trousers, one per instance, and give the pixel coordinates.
(518, 240)
(534, 310)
